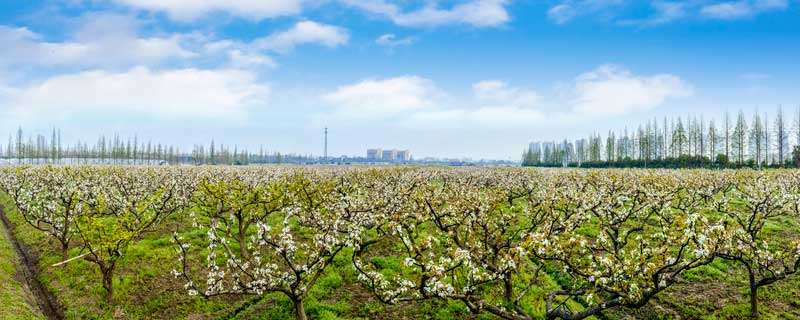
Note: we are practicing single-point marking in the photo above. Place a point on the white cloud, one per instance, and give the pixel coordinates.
(189, 10)
(605, 91)
(728, 10)
(414, 101)
(663, 11)
(566, 10)
(379, 98)
(742, 9)
(171, 94)
(100, 40)
(478, 13)
(771, 4)
(561, 13)
(390, 40)
(497, 115)
(240, 59)
(668, 12)
(304, 32)
(611, 90)
(496, 105)
(499, 94)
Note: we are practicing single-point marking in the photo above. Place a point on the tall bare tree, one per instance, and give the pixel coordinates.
(756, 140)
(739, 141)
(766, 137)
(781, 137)
(679, 138)
(701, 136)
(712, 140)
(797, 127)
(727, 135)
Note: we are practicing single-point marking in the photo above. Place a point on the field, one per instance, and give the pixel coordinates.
(402, 243)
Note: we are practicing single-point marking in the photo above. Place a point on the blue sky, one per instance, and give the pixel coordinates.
(470, 78)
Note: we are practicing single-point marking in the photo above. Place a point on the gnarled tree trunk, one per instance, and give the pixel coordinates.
(299, 309)
(753, 293)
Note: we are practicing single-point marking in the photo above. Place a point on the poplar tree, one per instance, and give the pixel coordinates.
(679, 138)
(20, 148)
(211, 155)
(766, 137)
(9, 148)
(727, 135)
(664, 139)
(781, 138)
(756, 142)
(797, 127)
(53, 147)
(701, 137)
(739, 141)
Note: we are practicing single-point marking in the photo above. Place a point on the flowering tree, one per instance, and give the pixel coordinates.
(629, 237)
(277, 234)
(122, 205)
(12, 181)
(482, 237)
(48, 199)
(460, 237)
(755, 200)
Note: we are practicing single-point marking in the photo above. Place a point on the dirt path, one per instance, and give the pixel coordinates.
(30, 270)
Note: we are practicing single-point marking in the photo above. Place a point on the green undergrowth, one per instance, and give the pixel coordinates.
(145, 288)
(16, 301)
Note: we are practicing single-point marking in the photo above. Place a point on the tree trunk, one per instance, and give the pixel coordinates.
(245, 255)
(299, 309)
(108, 284)
(64, 253)
(753, 294)
(508, 288)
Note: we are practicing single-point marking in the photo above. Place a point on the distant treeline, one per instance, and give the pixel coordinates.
(689, 142)
(117, 150)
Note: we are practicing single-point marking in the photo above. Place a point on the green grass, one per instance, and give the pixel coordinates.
(145, 289)
(16, 302)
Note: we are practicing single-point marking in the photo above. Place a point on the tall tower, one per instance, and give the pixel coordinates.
(325, 154)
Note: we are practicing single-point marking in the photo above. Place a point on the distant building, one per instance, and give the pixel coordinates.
(403, 155)
(389, 155)
(374, 154)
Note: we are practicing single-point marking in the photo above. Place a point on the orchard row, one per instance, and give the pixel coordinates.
(483, 237)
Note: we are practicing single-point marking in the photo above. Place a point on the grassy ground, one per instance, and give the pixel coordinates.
(719, 291)
(146, 290)
(16, 302)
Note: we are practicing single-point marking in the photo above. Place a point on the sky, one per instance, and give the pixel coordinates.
(470, 78)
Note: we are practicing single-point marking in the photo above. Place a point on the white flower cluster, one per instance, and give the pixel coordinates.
(480, 236)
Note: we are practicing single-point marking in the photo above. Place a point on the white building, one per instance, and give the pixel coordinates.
(403, 155)
(374, 154)
(389, 155)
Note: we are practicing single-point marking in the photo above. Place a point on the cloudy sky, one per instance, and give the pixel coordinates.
(469, 78)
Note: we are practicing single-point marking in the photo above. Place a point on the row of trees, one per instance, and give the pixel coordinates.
(486, 238)
(118, 150)
(101, 210)
(681, 142)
